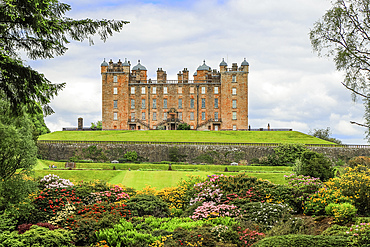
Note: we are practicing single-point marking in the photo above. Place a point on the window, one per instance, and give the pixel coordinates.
(203, 103)
(179, 90)
(132, 90)
(132, 116)
(143, 90)
(154, 116)
(234, 91)
(154, 90)
(142, 103)
(234, 115)
(180, 103)
(234, 78)
(154, 103)
(143, 116)
(115, 115)
(203, 115)
(115, 78)
(115, 104)
(203, 90)
(115, 91)
(191, 89)
(180, 115)
(216, 116)
(164, 103)
(191, 115)
(234, 127)
(216, 90)
(191, 127)
(234, 103)
(132, 104)
(165, 90)
(165, 115)
(191, 103)
(216, 102)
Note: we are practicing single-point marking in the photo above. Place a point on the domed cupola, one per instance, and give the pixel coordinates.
(126, 63)
(245, 63)
(104, 63)
(138, 66)
(223, 63)
(204, 66)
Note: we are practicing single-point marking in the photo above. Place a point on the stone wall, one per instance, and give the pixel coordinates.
(159, 152)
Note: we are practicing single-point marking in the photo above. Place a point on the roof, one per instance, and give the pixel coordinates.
(245, 63)
(138, 67)
(104, 63)
(223, 63)
(126, 63)
(204, 66)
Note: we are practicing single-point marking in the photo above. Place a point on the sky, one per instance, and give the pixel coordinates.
(290, 86)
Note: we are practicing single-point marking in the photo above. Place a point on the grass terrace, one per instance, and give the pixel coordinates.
(186, 136)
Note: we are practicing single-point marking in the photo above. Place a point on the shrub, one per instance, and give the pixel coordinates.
(284, 154)
(316, 203)
(37, 236)
(359, 234)
(54, 181)
(91, 218)
(266, 214)
(342, 213)
(302, 187)
(175, 155)
(354, 183)
(25, 227)
(7, 222)
(130, 156)
(359, 160)
(141, 205)
(292, 226)
(173, 197)
(303, 240)
(212, 210)
(315, 165)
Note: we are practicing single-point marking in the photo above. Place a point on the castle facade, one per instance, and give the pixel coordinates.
(213, 100)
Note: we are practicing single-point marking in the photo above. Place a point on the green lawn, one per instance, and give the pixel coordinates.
(158, 179)
(187, 136)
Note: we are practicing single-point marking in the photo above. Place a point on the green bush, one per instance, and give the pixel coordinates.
(359, 160)
(315, 165)
(342, 213)
(302, 240)
(292, 226)
(284, 154)
(37, 237)
(130, 156)
(141, 205)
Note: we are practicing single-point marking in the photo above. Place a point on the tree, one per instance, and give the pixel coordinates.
(98, 125)
(183, 126)
(324, 134)
(344, 34)
(40, 29)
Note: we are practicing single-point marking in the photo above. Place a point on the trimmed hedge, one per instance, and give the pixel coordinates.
(303, 240)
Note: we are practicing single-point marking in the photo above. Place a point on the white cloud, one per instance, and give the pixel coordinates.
(289, 86)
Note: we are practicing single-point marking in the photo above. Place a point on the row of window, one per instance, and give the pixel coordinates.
(154, 114)
(154, 105)
(115, 79)
(115, 90)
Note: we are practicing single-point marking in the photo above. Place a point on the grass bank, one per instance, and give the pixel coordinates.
(187, 136)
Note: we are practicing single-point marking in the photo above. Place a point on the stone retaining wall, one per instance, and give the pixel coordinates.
(160, 152)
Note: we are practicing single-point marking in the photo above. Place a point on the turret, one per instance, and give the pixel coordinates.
(104, 66)
(223, 66)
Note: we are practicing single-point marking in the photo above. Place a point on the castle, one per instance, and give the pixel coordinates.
(213, 100)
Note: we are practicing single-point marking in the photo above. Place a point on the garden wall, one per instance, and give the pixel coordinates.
(160, 152)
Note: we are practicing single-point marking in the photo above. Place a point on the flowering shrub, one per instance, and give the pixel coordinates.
(342, 213)
(266, 214)
(25, 227)
(315, 204)
(360, 160)
(54, 181)
(211, 210)
(141, 205)
(62, 214)
(173, 197)
(302, 187)
(354, 183)
(112, 195)
(207, 191)
(90, 218)
(249, 237)
(358, 234)
(50, 201)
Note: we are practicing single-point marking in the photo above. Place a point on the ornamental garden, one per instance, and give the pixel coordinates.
(320, 203)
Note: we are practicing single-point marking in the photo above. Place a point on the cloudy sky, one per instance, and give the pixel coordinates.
(289, 85)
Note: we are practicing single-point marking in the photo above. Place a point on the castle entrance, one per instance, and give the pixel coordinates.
(173, 126)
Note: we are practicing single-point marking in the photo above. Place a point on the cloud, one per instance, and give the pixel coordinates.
(289, 86)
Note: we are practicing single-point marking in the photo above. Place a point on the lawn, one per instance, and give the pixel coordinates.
(158, 179)
(187, 136)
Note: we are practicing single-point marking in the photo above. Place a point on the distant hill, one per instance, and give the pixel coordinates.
(187, 136)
